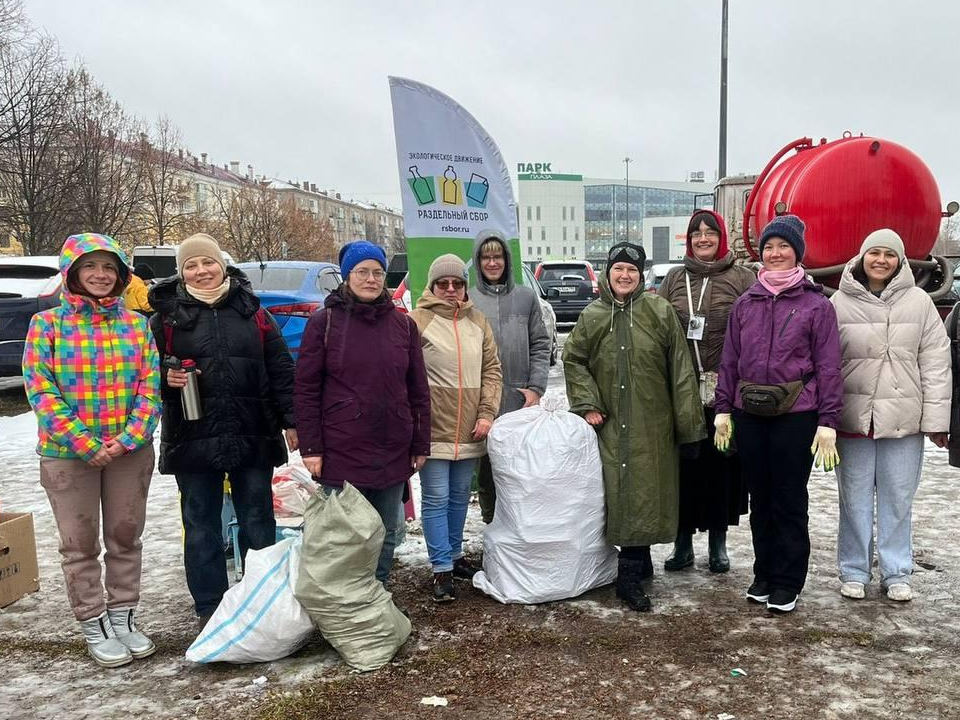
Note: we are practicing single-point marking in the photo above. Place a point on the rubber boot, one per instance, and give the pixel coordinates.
(139, 645)
(719, 562)
(630, 587)
(102, 643)
(682, 556)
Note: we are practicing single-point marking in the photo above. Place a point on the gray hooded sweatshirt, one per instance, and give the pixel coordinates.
(514, 313)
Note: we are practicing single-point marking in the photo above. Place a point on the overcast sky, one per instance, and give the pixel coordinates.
(299, 89)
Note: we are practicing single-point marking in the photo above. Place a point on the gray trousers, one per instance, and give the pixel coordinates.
(885, 472)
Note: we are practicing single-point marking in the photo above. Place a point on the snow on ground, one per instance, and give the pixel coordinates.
(871, 658)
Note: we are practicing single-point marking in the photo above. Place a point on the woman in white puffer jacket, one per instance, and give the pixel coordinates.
(896, 389)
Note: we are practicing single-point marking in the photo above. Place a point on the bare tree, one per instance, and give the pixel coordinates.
(166, 196)
(109, 148)
(37, 171)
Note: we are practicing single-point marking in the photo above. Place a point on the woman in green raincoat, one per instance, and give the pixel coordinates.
(629, 375)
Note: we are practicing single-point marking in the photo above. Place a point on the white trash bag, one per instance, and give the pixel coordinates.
(546, 541)
(259, 619)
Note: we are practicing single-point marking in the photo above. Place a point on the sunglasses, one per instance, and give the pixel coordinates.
(628, 251)
(447, 284)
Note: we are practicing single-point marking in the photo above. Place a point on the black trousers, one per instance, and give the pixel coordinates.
(776, 461)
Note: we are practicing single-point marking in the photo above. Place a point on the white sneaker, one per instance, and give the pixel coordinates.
(900, 592)
(852, 590)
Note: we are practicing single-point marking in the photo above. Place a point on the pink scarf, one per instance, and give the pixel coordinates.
(776, 281)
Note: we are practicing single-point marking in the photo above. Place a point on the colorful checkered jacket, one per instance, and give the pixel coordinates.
(90, 367)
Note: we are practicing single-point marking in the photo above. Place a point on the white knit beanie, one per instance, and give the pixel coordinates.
(885, 238)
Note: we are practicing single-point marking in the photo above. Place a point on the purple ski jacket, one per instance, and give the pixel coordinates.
(361, 396)
(778, 339)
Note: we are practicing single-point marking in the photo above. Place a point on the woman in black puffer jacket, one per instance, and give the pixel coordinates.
(210, 315)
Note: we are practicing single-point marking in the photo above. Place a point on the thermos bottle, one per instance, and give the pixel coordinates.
(190, 393)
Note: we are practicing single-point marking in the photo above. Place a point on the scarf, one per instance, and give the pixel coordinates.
(210, 297)
(776, 281)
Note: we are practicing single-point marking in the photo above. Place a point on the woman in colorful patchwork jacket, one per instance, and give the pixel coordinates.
(463, 370)
(92, 377)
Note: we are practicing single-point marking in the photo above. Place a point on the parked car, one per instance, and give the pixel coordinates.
(570, 286)
(292, 290)
(396, 271)
(27, 285)
(401, 299)
(655, 275)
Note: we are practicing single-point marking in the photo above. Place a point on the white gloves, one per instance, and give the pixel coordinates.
(824, 448)
(723, 423)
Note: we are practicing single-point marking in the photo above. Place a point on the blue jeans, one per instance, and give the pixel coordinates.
(445, 493)
(201, 500)
(888, 469)
(390, 509)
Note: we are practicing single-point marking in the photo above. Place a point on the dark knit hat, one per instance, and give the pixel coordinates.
(788, 227)
(626, 252)
(352, 254)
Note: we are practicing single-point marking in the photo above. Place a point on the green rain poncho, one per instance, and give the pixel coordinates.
(630, 362)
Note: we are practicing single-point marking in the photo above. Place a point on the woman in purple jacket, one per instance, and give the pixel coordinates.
(780, 379)
(361, 398)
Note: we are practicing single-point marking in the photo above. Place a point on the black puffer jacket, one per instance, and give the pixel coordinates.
(246, 380)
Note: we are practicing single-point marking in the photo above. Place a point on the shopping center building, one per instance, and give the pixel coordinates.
(566, 217)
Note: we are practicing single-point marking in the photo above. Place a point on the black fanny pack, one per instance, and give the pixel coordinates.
(771, 400)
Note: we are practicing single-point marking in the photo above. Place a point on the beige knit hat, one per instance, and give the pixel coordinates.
(199, 245)
(448, 265)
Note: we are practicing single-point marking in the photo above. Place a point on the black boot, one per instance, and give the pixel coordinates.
(682, 556)
(719, 562)
(629, 586)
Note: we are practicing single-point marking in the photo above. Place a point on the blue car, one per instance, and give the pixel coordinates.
(292, 290)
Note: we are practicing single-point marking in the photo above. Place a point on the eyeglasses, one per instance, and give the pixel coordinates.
(491, 258)
(364, 273)
(447, 284)
(708, 234)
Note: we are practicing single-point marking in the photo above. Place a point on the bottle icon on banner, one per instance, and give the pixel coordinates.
(477, 189)
(421, 186)
(449, 186)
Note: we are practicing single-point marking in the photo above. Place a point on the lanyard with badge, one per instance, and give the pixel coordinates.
(695, 328)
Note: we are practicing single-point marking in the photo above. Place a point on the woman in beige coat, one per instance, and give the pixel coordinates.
(463, 370)
(896, 389)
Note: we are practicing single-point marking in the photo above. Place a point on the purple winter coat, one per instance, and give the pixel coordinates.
(778, 339)
(362, 400)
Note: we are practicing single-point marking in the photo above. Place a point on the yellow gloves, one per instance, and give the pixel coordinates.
(724, 431)
(824, 448)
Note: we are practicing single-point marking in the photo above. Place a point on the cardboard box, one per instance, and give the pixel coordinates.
(19, 574)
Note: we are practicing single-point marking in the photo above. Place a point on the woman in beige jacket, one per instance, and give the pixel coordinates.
(463, 370)
(897, 388)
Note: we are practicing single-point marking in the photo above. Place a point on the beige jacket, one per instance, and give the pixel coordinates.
(896, 358)
(463, 369)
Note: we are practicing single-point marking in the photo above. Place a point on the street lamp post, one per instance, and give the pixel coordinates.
(626, 161)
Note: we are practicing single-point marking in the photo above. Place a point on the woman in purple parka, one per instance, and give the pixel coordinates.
(361, 397)
(779, 395)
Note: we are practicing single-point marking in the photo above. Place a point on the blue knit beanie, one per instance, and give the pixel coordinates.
(788, 227)
(356, 252)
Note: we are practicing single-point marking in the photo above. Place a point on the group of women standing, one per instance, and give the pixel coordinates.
(673, 383)
(776, 370)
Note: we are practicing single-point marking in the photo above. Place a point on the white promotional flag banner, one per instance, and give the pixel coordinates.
(453, 181)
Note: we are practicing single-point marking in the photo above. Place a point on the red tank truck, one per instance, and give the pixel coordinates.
(844, 190)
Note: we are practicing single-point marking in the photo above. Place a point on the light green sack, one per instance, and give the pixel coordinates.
(342, 537)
